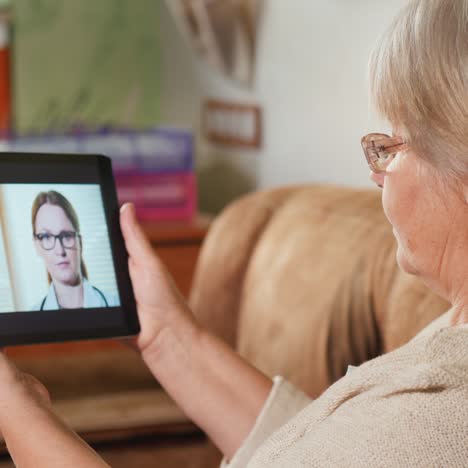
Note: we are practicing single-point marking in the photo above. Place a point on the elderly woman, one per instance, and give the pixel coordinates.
(406, 408)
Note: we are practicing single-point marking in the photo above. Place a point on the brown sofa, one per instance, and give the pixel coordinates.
(303, 281)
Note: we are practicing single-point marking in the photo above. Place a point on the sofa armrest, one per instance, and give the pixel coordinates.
(218, 281)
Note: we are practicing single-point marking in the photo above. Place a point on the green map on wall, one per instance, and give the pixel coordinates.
(88, 63)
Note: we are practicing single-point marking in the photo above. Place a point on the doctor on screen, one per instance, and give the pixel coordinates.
(57, 239)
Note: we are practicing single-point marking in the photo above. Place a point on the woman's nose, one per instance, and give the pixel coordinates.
(59, 248)
(378, 179)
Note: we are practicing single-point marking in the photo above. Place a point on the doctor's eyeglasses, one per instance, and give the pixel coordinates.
(67, 239)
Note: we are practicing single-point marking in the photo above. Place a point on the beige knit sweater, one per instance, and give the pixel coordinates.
(408, 408)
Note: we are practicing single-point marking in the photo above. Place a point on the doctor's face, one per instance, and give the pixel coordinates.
(61, 255)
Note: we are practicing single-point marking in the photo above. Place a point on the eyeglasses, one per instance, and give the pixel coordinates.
(67, 239)
(380, 149)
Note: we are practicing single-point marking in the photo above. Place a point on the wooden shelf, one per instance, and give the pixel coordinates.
(177, 232)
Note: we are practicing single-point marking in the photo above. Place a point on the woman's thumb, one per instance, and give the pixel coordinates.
(136, 241)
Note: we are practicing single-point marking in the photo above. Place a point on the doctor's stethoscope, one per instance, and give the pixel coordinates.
(96, 289)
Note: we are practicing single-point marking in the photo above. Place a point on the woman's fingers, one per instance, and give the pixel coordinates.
(138, 246)
(158, 299)
(146, 271)
(16, 383)
(8, 371)
(37, 389)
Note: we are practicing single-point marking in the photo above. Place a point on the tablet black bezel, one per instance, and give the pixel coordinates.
(76, 324)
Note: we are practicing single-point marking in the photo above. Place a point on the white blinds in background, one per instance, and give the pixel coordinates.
(6, 298)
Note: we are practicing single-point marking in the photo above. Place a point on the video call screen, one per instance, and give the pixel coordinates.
(55, 251)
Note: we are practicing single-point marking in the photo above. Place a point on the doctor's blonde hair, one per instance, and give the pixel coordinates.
(55, 198)
(419, 81)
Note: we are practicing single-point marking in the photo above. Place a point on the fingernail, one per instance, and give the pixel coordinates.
(124, 207)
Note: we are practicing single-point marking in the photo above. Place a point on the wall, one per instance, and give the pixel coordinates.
(311, 82)
(223, 174)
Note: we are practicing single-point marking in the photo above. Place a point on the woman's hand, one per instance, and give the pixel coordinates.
(34, 435)
(160, 305)
(214, 386)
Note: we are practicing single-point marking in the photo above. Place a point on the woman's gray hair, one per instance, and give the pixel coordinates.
(419, 81)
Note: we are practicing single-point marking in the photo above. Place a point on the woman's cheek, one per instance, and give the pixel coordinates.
(48, 262)
(388, 201)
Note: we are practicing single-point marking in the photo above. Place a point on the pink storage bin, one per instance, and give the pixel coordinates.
(159, 196)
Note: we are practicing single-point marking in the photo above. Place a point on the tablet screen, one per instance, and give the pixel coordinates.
(55, 250)
(63, 265)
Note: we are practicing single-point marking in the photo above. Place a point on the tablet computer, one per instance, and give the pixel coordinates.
(63, 264)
